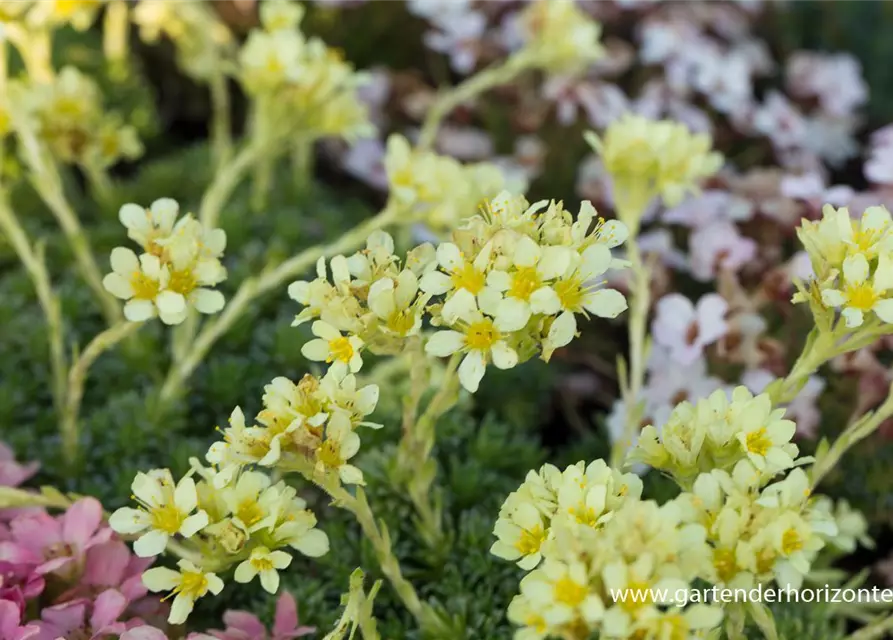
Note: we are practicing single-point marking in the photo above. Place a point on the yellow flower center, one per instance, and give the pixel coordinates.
(340, 349)
(261, 563)
(568, 592)
(791, 541)
(861, 296)
(330, 454)
(182, 282)
(584, 515)
(536, 621)
(468, 278)
(866, 239)
(144, 287)
(570, 293)
(273, 66)
(401, 322)
(530, 540)
(758, 442)
(638, 595)
(167, 518)
(724, 563)
(480, 336)
(674, 627)
(765, 561)
(193, 583)
(249, 512)
(524, 282)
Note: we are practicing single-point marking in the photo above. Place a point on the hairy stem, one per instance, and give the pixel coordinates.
(77, 376)
(115, 33)
(221, 120)
(35, 266)
(255, 287)
(48, 183)
(880, 629)
(854, 433)
(475, 85)
(227, 179)
(375, 532)
(630, 210)
(414, 455)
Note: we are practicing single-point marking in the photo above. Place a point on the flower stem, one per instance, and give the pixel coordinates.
(475, 85)
(227, 179)
(115, 33)
(101, 187)
(414, 453)
(878, 629)
(854, 433)
(638, 318)
(221, 122)
(48, 183)
(77, 376)
(253, 288)
(375, 532)
(33, 261)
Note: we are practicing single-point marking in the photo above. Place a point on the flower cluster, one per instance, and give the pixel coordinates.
(759, 534)
(228, 520)
(717, 433)
(509, 287)
(68, 574)
(559, 36)
(312, 423)
(70, 120)
(654, 158)
(178, 266)
(300, 81)
(594, 548)
(437, 188)
(201, 39)
(80, 14)
(587, 536)
(853, 263)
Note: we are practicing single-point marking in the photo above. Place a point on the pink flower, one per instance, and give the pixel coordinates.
(10, 617)
(241, 625)
(685, 329)
(64, 620)
(364, 160)
(802, 409)
(19, 582)
(144, 632)
(879, 167)
(12, 474)
(781, 122)
(811, 188)
(836, 80)
(111, 565)
(54, 543)
(459, 36)
(710, 206)
(718, 246)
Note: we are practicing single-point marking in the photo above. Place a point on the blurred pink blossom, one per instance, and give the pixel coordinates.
(710, 206)
(717, 246)
(92, 620)
(51, 544)
(10, 619)
(685, 329)
(835, 80)
(12, 474)
(241, 625)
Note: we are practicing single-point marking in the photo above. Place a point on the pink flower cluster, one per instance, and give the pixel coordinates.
(70, 576)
